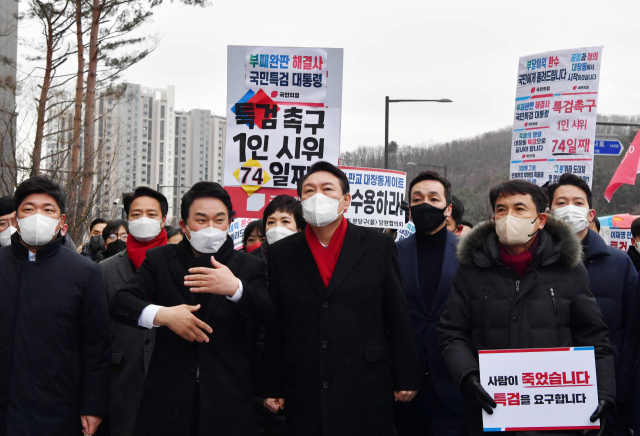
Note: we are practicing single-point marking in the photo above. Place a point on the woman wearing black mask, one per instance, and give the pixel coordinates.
(115, 238)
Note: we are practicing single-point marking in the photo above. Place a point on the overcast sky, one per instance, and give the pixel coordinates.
(463, 50)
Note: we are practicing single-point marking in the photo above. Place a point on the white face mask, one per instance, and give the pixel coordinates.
(208, 240)
(5, 236)
(274, 234)
(320, 210)
(575, 216)
(37, 229)
(145, 229)
(515, 231)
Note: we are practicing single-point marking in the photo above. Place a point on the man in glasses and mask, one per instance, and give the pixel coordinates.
(521, 283)
(55, 346)
(428, 264)
(7, 220)
(611, 274)
(146, 211)
(199, 295)
(341, 348)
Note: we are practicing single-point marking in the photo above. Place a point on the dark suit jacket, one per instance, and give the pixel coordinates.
(223, 364)
(425, 321)
(131, 352)
(337, 354)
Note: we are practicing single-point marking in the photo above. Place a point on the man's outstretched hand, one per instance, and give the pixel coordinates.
(475, 393)
(274, 404)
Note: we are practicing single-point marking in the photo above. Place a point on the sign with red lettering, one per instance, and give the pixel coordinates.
(540, 389)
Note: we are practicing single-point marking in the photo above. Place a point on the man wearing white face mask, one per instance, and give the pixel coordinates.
(55, 349)
(146, 211)
(341, 349)
(521, 284)
(611, 273)
(204, 295)
(7, 220)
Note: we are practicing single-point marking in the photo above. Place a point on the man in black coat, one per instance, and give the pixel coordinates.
(341, 348)
(132, 347)
(612, 276)
(633, 252)
(428, 264)
(521, 284)
(199, 379)
(55, 349)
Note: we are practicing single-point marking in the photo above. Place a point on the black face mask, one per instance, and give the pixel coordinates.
(114, 247)
(96, 243)
(426, 217)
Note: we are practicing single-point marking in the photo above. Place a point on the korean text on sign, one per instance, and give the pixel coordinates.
(376, 197)
(540, 389)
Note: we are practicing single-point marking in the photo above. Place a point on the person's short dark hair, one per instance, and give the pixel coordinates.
(466, 223)
(457, 210)
(596, 221)
(522, 187)
(329, 168)
(172, 231)
(95, 222)
(569, 179)
(253, 225)
(287, 204)
(635, 227)
(432, 175)
(39, 185)
(205, 190)
(112, 228)
(6, 205)
(145, 191)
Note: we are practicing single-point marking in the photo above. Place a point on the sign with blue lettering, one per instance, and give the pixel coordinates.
(608, 148)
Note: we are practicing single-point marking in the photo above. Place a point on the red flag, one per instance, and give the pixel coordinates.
(626, 172)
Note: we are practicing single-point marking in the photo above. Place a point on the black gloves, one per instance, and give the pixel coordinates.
(475, 393)
(601, 413)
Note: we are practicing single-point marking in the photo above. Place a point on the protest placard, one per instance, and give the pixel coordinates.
(554, 123)
(540, 389)
(617, 238)
(283, 115)
(236, 231)
(406, 231)
(376, 195)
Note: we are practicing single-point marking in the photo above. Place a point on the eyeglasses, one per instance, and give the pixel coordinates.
(113, 237)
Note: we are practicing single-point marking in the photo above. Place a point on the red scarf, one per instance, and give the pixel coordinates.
(138, 250)
(520, 262)
(327, 258)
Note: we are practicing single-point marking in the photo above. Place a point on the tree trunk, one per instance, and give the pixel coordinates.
(74, 175)
(89, 115)
(42, 103)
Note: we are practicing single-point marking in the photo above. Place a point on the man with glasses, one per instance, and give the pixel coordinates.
(7, 220)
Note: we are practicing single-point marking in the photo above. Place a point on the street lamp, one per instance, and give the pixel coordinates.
(386, 123)
(413, 164)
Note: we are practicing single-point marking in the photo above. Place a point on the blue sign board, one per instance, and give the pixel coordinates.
(609, 148)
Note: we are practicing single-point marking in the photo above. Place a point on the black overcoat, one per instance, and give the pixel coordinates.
(55, 346)
(223, 364)
(337, 354)
(550, 306)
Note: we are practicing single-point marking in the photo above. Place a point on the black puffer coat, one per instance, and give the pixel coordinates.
(490, 308)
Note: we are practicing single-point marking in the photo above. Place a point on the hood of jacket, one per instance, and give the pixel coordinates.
(558, 243)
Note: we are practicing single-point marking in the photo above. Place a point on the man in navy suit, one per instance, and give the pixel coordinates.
(428, 264)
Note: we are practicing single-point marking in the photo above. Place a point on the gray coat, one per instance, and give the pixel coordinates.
(132, 349)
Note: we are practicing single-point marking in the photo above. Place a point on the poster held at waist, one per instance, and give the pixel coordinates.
(555, 115)
(540, 389)
(283, 115)
(376, 195)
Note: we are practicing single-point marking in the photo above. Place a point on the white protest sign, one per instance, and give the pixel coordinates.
(554, 123)
(408, 230)
(617, 238)
(282, 116)
(540, 389)
(236, 231)
(375, 197)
